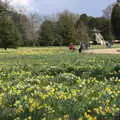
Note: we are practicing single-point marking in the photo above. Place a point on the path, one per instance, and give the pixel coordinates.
(104, 51)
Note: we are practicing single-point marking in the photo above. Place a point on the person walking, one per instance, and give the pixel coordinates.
(81, 47)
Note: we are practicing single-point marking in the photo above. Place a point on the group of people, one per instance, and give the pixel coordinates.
(83, 46)
(109, 44)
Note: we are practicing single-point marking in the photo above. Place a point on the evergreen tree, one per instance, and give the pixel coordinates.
(115, 20)
(82, 32)
(9, 35)
(84, 18)
(46, 33)
(67, 29)
(103, 24)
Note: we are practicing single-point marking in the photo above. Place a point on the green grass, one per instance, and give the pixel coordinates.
(92, 64)
(54, 83)
(104, 46)
(13, 56)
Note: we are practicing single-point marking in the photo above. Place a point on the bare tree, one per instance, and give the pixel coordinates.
(108, 11)
(35, 22)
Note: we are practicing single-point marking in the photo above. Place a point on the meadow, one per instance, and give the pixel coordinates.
(54, 83)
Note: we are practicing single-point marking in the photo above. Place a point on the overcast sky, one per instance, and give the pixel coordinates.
(45, 7)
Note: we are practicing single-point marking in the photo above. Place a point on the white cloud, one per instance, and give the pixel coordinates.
(21, 2)
(25, 3)
(21, 5)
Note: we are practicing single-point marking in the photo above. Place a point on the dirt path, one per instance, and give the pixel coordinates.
(104, 51)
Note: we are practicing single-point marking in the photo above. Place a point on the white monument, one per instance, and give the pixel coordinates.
(98, 38)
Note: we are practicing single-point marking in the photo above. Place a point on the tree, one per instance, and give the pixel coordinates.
(115, 20)
(102, 24)
(9, 34)
(92, 23)
(66, 27)
(34, 20)
(24, 25)
(84, 18)
(46, 33)
(82, 27)
(59, 31)
(108, 11)
(82, 32)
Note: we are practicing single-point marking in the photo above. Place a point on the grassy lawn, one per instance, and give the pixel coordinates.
(49, 55)
(53, 83)
(103, 46)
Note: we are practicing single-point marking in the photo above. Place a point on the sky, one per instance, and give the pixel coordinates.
(46, 7)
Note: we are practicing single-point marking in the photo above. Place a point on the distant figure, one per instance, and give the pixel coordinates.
(80, 49)
(109, 44)
(87, 45)
(83, 46)
(72, 46)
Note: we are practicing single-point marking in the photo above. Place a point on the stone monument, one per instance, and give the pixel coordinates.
(98, 38)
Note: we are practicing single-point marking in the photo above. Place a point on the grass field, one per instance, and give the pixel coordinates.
(54, 83)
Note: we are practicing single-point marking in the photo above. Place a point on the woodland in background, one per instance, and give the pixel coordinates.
(20, 29)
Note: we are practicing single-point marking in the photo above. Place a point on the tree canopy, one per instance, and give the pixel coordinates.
(9, 34)
(20, 29)
(115, 20)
